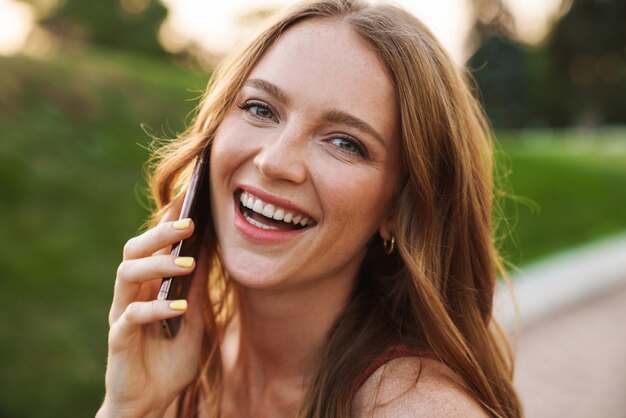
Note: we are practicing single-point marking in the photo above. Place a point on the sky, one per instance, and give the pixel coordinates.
(15, 24)
(214, 24)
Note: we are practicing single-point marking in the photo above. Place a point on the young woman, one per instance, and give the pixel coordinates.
(349, 268)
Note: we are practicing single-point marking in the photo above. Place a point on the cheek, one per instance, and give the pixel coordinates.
(357, 201)
(229, 151)
(225, 160)
(221, 160)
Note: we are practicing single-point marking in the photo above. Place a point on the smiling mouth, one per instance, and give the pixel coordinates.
(268, 216)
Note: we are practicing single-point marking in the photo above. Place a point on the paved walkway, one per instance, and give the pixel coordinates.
(573, 363)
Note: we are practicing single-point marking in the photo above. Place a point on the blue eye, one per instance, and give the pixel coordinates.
(258, 110)
(348, 145)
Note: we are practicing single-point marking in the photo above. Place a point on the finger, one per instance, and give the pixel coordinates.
(138, 271)
(133, 274)
(155, 239)
(138, 314)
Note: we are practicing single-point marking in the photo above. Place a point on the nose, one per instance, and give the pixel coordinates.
(283, 158)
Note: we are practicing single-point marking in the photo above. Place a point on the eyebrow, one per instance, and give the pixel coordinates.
(342, 117)
(332, 115)
(271, 89)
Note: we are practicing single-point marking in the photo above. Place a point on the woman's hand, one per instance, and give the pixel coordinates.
(145, 370)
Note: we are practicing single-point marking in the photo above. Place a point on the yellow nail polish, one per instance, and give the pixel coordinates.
(184, 261)
(182, 224)
(178, 305)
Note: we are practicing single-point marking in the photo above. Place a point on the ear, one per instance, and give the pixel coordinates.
(387, 228)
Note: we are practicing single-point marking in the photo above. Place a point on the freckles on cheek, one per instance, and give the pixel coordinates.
(357, 207)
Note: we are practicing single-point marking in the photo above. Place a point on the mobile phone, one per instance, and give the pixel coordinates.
(197, 207)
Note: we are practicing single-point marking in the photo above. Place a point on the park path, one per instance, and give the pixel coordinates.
(571, 349)
(573, 363)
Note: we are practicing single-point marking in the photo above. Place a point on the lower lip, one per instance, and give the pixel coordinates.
(262, 236)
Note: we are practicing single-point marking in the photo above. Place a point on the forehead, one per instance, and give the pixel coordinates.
(324, 62)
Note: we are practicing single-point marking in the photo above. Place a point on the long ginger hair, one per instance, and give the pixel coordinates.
(436, 291)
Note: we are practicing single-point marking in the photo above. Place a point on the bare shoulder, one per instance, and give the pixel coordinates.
(415, 387)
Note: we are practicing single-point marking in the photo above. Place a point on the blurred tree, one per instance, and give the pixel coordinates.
(500, 69)
(499, 64)
(126, 24)
(587, 64)
(576, 77)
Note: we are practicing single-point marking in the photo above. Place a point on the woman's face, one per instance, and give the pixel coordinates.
(312, 140)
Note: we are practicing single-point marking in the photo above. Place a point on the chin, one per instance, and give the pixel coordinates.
(253, 271)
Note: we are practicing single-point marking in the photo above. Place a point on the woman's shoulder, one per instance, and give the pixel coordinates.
(414, 386)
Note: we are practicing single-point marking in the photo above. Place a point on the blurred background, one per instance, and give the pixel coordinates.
(85, 85)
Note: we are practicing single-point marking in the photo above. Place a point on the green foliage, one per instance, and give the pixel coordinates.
(124, 24)
(71, 183)
(587, 61)
(500, 69)
(577, 77)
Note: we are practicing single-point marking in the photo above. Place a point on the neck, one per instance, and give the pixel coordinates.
(272, 349)
(282, 332)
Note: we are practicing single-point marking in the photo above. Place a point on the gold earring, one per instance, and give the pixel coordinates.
(389, 245)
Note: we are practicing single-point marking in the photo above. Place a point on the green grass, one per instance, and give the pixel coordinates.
(71, 158)
(567, 189)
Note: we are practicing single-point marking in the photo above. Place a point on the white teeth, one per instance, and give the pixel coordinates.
(268, 210)
(279, 215)
(271, 211)
(259, 224)
(258, 206)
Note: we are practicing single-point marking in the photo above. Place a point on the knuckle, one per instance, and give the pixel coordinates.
(164, 228)
(127, 251)
(116, 343)
(121, 270)
(132, 311)
(153, 309)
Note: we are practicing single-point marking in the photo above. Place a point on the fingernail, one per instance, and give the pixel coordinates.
(182, 224)
(178, 305)
(184, 261)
